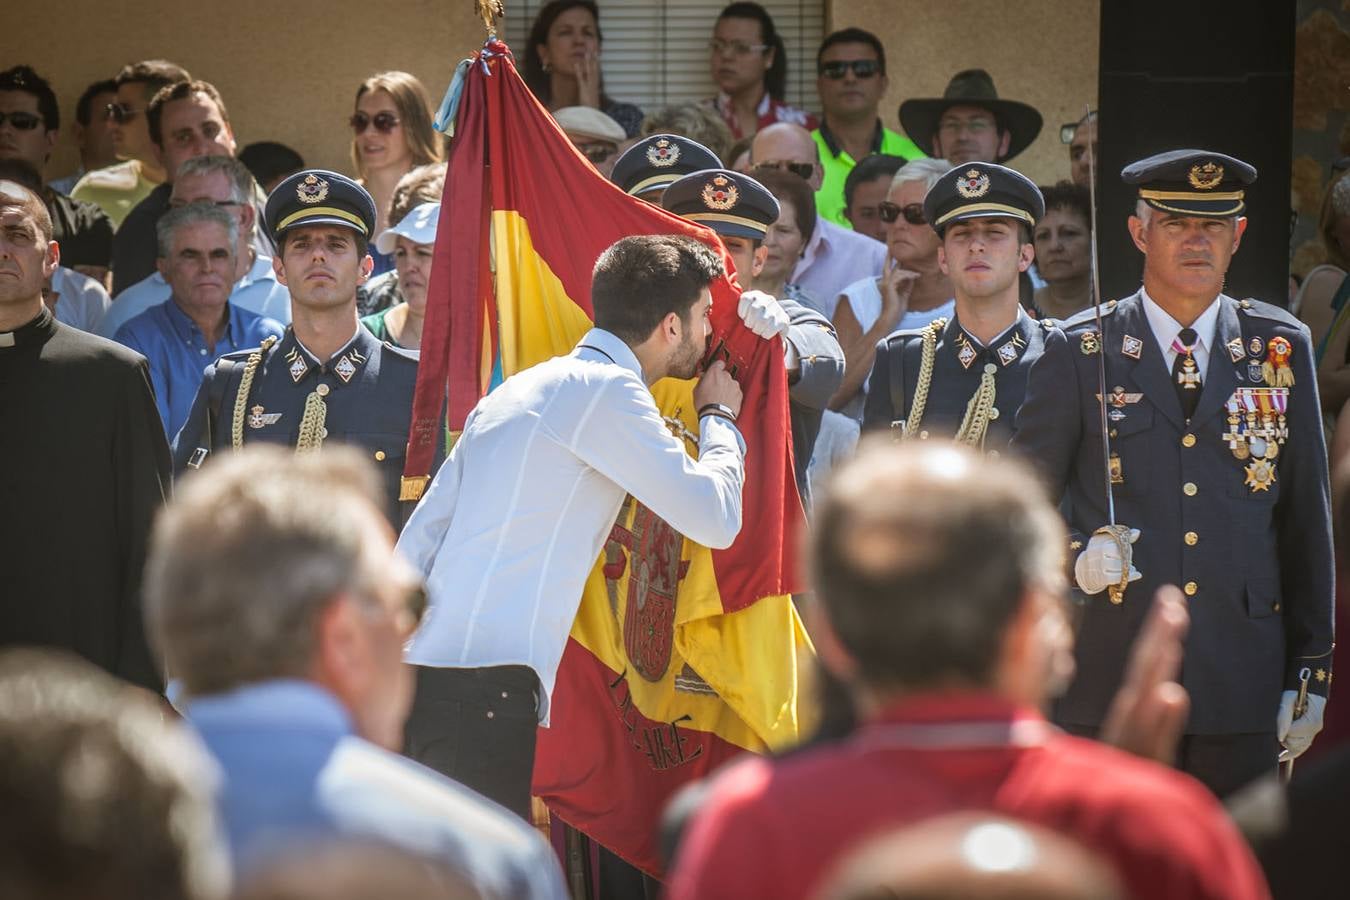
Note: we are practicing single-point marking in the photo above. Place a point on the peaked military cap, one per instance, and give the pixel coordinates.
(1192, 182)
(658, 161)
(980, 190)
(319, 197)
(728, 202)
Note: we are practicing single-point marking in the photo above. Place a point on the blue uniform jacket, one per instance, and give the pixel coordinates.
(1256, 564)
(368, 392)
(957, 366)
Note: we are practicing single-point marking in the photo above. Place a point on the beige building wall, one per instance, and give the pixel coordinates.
(287, 69)
(1042, 52)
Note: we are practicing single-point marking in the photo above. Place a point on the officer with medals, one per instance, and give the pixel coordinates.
(327, 379)
(654, 163)
(741, 210)
(965, 378)
(1218, 470)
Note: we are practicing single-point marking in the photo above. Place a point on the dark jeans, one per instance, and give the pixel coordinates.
(477, 726)
(1221, 762)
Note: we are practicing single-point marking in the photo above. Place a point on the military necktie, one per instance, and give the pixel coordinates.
(1185, 372)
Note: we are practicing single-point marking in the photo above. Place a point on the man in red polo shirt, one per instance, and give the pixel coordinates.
(941, 591)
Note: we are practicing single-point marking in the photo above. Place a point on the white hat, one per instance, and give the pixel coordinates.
(418, 226)
(589, 122)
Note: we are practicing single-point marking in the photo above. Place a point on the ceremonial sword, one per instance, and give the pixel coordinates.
(1120, 534)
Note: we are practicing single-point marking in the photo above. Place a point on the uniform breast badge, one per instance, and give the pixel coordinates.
(1258, 426)
(1131, 346)
(1235, 351)
(259, 419)
(1116, 469)
(1088, 343)
(1275, 371)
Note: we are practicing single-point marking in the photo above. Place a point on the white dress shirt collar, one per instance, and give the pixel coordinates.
(611, 345)
(1165, 329)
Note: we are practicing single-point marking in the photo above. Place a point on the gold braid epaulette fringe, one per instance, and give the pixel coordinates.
(311, 423)
(930, 337)
(245, 386)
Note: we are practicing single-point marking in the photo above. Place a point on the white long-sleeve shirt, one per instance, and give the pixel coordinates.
(516, 518)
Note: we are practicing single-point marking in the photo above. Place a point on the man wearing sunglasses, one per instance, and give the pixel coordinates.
(118, 188)
(29, 123)
(851, 80)
(834, 256)
(966, 378)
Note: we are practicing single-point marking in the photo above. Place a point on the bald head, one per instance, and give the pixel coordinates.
(972, 855)
(783, 142)
(28, 204)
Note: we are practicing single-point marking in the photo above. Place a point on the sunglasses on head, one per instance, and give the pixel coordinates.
(384, 122)
(913, 212)
(23, 121)
(805, 171)
(835, 70)
(120, 113)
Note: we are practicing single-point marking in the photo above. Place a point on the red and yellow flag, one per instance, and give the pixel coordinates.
(680, 656)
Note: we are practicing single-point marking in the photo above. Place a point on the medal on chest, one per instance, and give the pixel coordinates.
(1258, 426)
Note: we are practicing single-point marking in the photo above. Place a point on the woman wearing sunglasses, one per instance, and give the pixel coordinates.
(562, 65)
(911, 292)
(391, 134)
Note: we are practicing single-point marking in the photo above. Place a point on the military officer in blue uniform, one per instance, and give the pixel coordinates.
(1215, 456)
(964, 379)
(654, 163)
(740, 210)
(328, 379)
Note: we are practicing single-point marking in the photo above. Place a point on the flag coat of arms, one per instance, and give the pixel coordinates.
(680, 657)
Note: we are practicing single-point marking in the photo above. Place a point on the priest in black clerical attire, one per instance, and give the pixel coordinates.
(84, 465)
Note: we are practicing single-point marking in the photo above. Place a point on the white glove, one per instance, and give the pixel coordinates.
(1297, 734)
(763, 315)
(1099, 565)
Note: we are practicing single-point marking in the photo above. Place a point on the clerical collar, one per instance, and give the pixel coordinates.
(1007, 348)
(35, 331)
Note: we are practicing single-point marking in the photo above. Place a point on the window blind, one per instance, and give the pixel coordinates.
(656, 51)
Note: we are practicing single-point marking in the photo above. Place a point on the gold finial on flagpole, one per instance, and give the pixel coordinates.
(490, 11)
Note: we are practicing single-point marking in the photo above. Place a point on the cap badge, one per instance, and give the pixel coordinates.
(1205, 177)
(972, 184)
(663, 154)
(312, 189)
(720, 193)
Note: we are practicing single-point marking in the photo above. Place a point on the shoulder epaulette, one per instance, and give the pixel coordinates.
(1088, 315)
(1262, 310)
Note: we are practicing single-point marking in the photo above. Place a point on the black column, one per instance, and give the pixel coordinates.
(1215, 77)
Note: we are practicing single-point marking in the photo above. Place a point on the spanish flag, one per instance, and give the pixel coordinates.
(680, 657)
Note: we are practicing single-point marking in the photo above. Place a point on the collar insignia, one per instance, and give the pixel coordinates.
(720, 193)
(1235, 351)
(345, 368)
(1132, 347)
(258, 419)
(663, 154)
(972, 184)
(312, 189)
(298, 366)
(1008, 353)
(1205, 177)
(966, 351)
